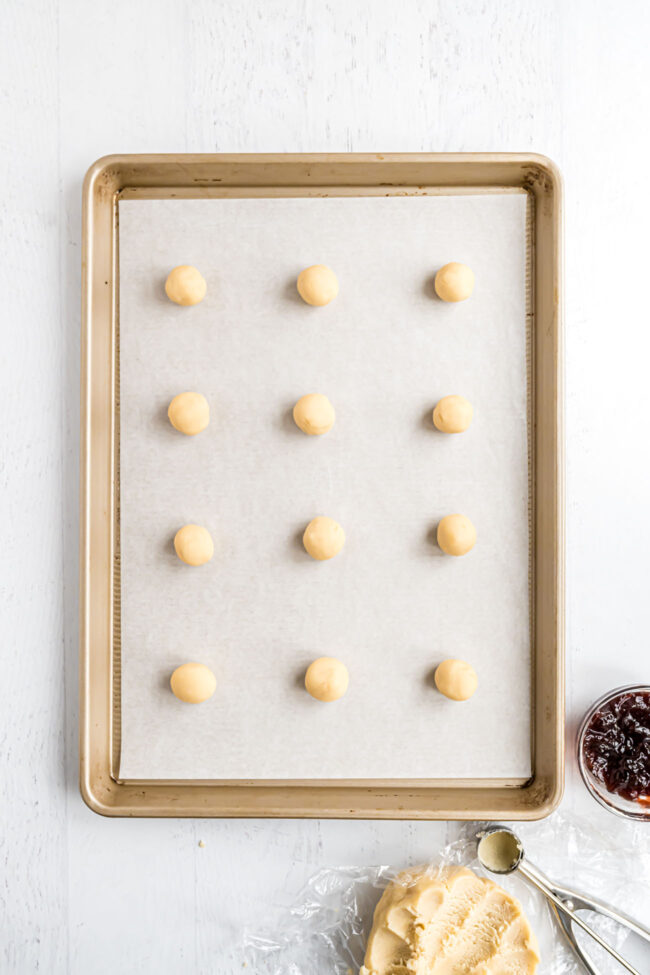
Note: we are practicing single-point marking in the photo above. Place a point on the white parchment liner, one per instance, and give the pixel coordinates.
(391, 605)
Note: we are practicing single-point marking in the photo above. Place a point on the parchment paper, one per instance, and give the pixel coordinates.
(391, 605)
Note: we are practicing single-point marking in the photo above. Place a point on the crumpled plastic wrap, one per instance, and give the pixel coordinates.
(325, 930)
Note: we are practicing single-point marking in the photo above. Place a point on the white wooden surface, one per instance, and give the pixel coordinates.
(570, 78)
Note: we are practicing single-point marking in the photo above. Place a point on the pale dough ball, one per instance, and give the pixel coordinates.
(193, 683)
(453, 414)
(318, 285)
(314, 414)
(194, 544)
(456, 534)
(323, 538)
(456, 679)
(327, 679)
(454, 282)
(189, 413)
(185, 285)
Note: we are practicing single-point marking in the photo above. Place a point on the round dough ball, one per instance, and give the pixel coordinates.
(185, 285)
(314, 414)
(318, 285)
(193, 683)
(327, 679)
(456, 534)
(189, 413)
(454, 282)
(194, 544)
(453, 414)
(323, 538)
(456, 679)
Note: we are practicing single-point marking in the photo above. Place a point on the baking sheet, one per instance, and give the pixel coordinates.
(391, 605)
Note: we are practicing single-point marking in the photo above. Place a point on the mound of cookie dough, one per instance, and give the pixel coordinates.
(314, 414)
(193, 683)
(449, 922)
(317, 285)
(194, 545)
(324, 538)
(185, 285)
(456, 534)
(327, 679)
(454, 282)
(453, 414)
(456, 679)
(189, 413)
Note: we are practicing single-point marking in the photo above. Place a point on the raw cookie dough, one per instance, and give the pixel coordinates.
(456, 679)
(454, 282)
(327, 679)
(185, 285)
(194, 544)
(453, 414)
(189, 413)
(317, 285)
(314, 414)
(449, 922)
(193, 683)
(456, 534)
(323, 538)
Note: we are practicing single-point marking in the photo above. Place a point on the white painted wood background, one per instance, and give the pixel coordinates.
(79, 79)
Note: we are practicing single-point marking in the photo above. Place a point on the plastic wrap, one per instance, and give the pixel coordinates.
(325, 930)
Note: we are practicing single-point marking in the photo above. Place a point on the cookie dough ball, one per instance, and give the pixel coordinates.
(189, 413)
(318, 285)
(185, 285)
(314, 414)
(456, 679)
(193, 683)
(453, 414)
(327, 679)
(194, 544)
(454, 282)
(323, 538)
(456, 534)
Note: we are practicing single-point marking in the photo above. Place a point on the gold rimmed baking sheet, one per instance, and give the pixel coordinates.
(120, 179)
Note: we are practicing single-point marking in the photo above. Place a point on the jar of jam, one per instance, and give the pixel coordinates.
(614, 751)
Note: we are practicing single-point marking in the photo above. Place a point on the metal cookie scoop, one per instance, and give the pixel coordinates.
(501, 851)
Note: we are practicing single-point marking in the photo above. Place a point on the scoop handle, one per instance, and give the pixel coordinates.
(565, 903)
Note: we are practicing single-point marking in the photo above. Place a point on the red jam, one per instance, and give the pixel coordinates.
(616, 746)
